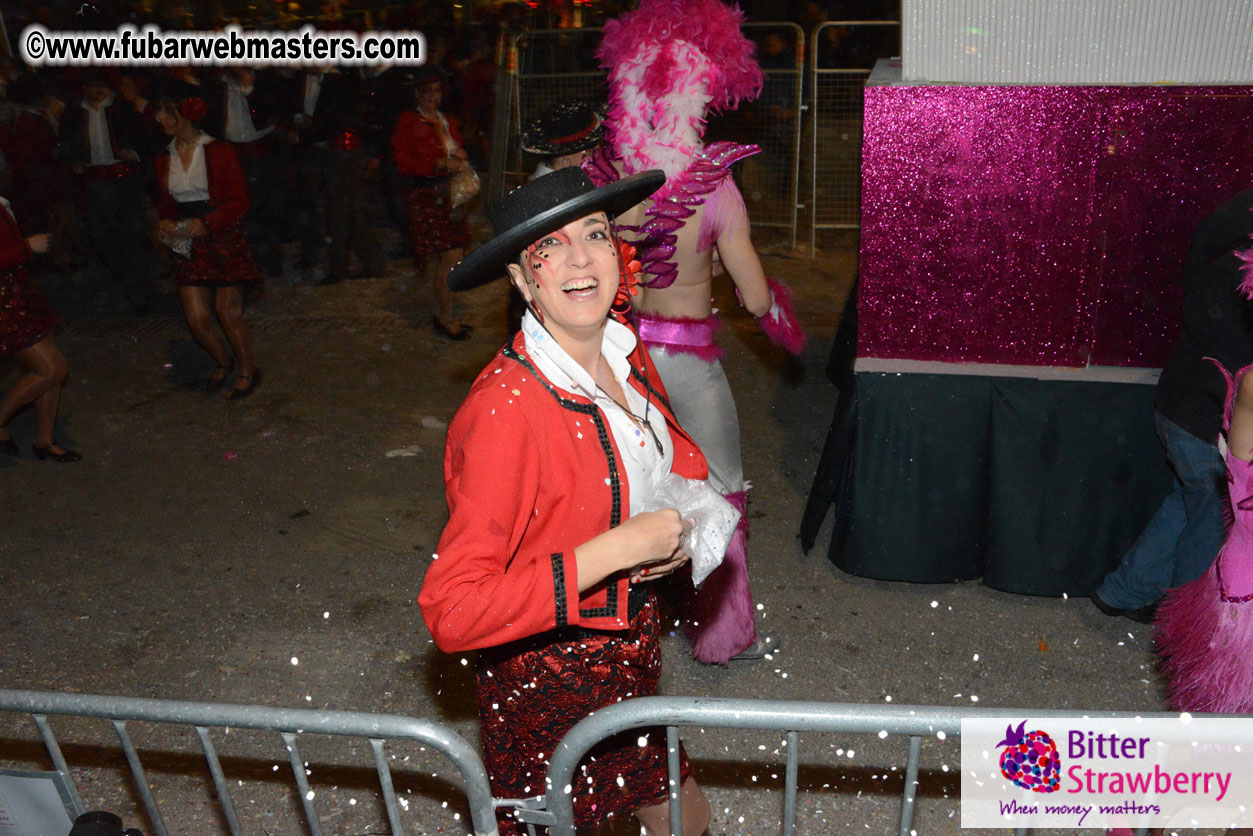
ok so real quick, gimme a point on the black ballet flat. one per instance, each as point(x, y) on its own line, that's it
point(43, 453)
point(8, 446)
point(215, 384)
point(254, 380)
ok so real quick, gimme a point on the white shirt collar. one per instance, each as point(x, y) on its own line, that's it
point(561, 369)
point(204, 139)
point(108, 100)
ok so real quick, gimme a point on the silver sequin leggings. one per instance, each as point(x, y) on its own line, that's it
point(701, 399)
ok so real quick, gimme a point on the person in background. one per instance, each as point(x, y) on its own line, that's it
point(26, 323)
point(1204, 629)
point(42, 182)
point(245, 111)
point(1183, 536)
point(564, 135)
point(104, 137)
point(203, 198)
point(426, 148)
point(689, 56)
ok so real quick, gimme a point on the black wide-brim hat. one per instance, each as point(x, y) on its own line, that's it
point(541, 206)
point(568, 128)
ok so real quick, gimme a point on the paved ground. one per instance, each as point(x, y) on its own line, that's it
point(270, 552)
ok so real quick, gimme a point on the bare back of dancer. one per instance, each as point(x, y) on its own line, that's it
point(691, 293)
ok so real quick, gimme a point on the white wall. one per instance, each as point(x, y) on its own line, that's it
point(1078, 41)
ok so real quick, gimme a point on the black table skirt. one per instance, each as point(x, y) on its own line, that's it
point(1038, 487)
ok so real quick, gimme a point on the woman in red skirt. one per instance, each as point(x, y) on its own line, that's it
point(550, 462)
point(202, 198)
point(26, 323)
point(426, 149)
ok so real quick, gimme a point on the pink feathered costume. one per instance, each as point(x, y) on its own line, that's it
point(1204, 629)
point(670, 62)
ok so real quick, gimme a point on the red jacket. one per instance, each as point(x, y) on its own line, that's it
point(228, 190)
point(530, 474)
point(416, 145)
point(13, 247)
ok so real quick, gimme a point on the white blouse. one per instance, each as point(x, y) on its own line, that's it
point(644, 465)
point(191, 183)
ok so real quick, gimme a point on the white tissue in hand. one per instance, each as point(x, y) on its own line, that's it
point(178, 238)
point(714, 520)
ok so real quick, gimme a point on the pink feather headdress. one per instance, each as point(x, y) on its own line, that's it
point(670, 62)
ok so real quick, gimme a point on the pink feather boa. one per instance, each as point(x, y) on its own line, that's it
point(780, 324)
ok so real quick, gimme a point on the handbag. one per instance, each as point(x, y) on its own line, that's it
point(463, 186)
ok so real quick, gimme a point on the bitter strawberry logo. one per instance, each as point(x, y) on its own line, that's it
point(1030, 759)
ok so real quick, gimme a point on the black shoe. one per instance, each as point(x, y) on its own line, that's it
point(462, 332)
point(215, 384)
point(254, 380)
point(42, 453)
point(1144, 615)
point(8, 446)
point(760, 649)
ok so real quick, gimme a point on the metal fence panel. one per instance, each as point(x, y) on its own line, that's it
point(914, 722)
point(773, 121)
point(290, 724)
point(842, 56)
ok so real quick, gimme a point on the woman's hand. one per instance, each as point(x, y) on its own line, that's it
point(197, 229)
point(661, 568)
point(39, 243)
point(651, 537)
point(648, 545)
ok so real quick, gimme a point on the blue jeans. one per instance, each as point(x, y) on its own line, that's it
point(1183, 537)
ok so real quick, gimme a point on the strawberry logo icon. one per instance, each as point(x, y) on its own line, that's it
point(1030, 759)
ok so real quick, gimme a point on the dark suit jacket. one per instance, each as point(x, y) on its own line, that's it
point(270, 93)
point(1217, 322)
point(339, 107)
point(126, 131)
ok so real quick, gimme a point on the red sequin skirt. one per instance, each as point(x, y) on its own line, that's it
point(219, 259)
point(435, 226)
point(532, 692)
point(26, 316)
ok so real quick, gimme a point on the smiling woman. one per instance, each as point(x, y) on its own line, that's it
point(546, 578)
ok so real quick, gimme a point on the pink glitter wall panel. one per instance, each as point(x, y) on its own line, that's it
point(1037, 225)
point(1178, 154)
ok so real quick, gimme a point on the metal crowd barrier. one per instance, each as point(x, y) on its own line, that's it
point(291, 724)
point(554, 810)
point(912, 721)
point(842, 54)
